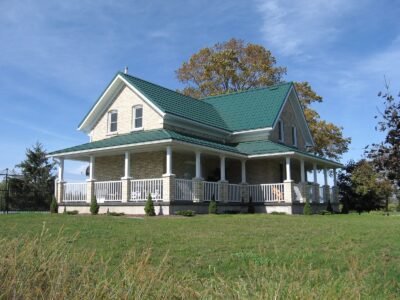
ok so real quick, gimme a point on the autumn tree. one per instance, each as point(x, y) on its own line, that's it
point(234, 66)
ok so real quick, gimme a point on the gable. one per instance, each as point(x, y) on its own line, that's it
point(292, 115)
point(123, 103)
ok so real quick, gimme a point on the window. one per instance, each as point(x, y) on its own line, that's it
point(112, 121)
point(294, 136)
point(281, 132)
point(137, 114)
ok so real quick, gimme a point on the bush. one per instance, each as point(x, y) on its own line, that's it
point(114, 214)
point(329, 207)
point(149, 208)
point(65, 210)
point(325, 212)
point(250, 207)
point(94, 206)
point(212, 207)
point(186, 213)
point(54, 205)
point(72, 212)
point(307, 208)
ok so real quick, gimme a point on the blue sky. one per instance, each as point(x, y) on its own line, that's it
point(56, 57)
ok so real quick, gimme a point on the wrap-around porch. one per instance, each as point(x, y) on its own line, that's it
point(176, 174)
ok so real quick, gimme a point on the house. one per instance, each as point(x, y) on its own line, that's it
point(234, 148)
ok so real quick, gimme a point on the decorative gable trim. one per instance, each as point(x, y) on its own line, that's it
point(107, 98)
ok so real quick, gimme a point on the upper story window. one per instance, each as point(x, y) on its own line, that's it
point(137, 113)
point(281, 132)
point(112, 121)
point(294, 136)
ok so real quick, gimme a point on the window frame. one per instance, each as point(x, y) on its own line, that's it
point(134, 109)
point(109, 122)
point(294, 136)
point(281, 131)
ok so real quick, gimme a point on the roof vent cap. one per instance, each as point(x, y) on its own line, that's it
point(126, 70)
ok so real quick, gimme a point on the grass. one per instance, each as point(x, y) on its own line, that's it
point(213, 256)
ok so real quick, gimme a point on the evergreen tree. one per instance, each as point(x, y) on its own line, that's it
point(250, 207)
point(307, 210)
point(149, 208)
point(54, 206)
point(212, 207)
point(94, 206)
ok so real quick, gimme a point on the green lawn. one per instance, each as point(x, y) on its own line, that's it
point(234, 256)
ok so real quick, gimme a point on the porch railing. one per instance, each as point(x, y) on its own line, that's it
point(267, 192)
point(297, 193)
point(310, 193)
point(108, 190)
point(211, 189)
point(141, 188)
point(234, 192)
point(184, 189)
point(74, 192)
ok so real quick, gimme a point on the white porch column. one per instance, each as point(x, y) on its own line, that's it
point(169, 161)
point(198, 165)
point(243, 171)
point(302, 171)
point(91, 167)
point(325, 176)
point(316, 187)
point(288, 175)
point(127, 166)
point(222, 168)
point(334, 178)
point(335, 189)
point(61, 170)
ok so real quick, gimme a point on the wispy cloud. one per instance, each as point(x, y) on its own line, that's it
point(293, 27)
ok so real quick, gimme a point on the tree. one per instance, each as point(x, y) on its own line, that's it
point(307, 210)
point(35, 188)
point(94, 206)
point(362, 188)
point(386, 155)
point(233, 66)
point(212, 207)
point(149, 207)
point(54, 206)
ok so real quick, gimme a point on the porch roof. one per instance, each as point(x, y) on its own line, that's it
point(250, 149)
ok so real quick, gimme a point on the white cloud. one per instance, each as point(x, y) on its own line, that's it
point(293, 27)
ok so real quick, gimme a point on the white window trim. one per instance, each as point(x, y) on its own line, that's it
point(134, 117)
point(282, 130)
point(294, 136)
point(109, 121)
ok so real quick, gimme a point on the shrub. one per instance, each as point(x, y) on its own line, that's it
point(65, 210)
point(212, 207)
point(250, 208)
point(329, 207)
point(307, 208)
point(72, 212)
point(149, 208)
point(114, 214)
point(54, 205)
point(94, 206)
point(325, 212)
point(186, 213)
point(398, 206)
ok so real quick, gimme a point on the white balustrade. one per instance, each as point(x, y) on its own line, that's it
point(310, 193)
point(234, 193)
point(141, 188)
point(108, 191)
point(267, 192)
point(74, 192)
point(211, 190)
point(321, 194)
point(183, 189)
point(298, 193)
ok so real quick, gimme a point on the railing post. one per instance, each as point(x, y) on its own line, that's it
point(60, 191)
point(288, 191)
point(168, 188)
point(198, 191)
point(223, 191)
point(244, 192)
point(126, 189)
point(89, 190)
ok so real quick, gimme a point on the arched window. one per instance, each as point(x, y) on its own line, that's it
point(294, 136)
point(281, 131)
point(112, 121)
point(137, 117)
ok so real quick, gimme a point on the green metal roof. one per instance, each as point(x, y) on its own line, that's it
point(251, 109)
point(244, 148)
